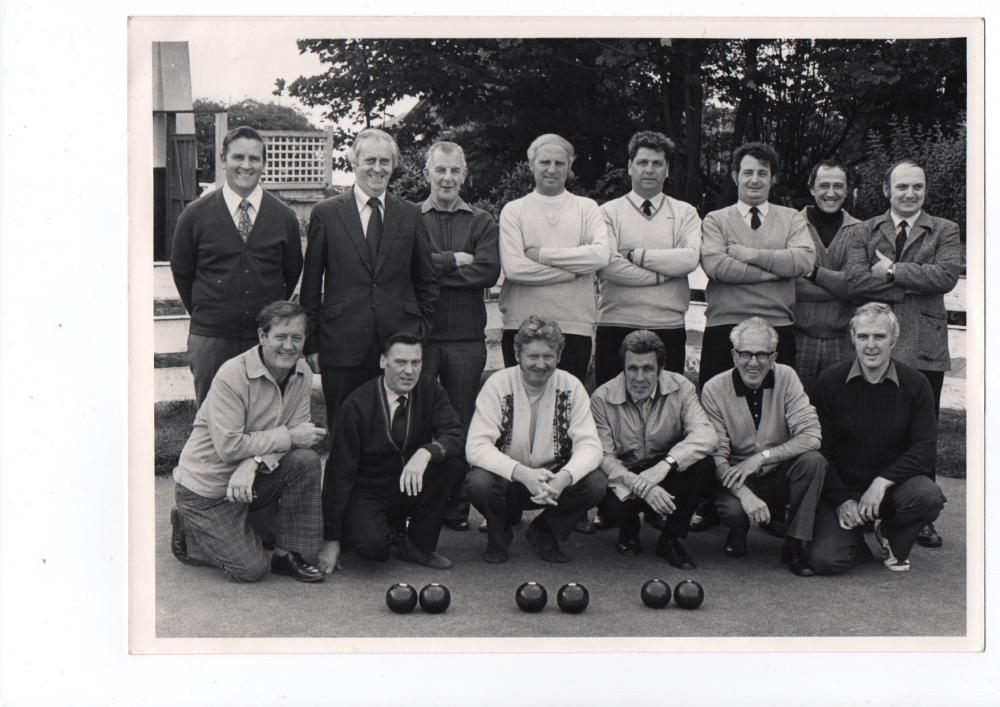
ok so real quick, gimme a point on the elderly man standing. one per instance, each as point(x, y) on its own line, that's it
point(551, 244)
point(463, 241)
point(235, 250)
point(655, 241)
point(768, 437)
point(532, 444)
point(657, 444)
point(880, 435)
point(910, 260)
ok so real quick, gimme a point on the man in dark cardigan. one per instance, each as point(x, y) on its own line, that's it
point(880, 436)
point(235, 250)
point(396, 453)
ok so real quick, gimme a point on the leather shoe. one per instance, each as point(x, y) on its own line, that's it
point(628, 546)
point(178, 542)
point(599, 523)
point(408, 552)
point(292, 565)
point(585, 526)
point(546, 544)
point(736, 543)
point(670, 549)
point(792, 555)
point(929, 536)
point(458, 525)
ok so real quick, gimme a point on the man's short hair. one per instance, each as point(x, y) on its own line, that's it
point(642, 342)
point(446, 147)
point(536, 328)
point(404, 338)
point(751, 325)
point(759, 151)
point(550, 139)
point(373, 134)
point(900, 163)
point(830, 163)
point(243, 131)
point(652, 140)
point(872, 311)
point(278, 312)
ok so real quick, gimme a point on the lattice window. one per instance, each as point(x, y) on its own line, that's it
point(295, 158)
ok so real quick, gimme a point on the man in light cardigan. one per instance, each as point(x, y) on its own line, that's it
point(533, 444)
point(769, 434)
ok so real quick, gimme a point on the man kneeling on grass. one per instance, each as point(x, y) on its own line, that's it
point(251, 446)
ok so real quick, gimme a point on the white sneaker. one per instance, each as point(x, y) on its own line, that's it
point(889, 560)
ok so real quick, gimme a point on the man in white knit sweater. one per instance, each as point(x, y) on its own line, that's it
point(551, 244)
point(655, 242)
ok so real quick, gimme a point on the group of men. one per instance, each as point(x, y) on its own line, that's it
point(816, 418)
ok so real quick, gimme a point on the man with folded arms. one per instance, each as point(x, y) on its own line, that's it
point(657, 444)
point(769, 435)
point(880, 435)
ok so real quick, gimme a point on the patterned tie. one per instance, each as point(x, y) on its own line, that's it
point(754, 218)
point(647, 207)
point(244, 225)
point(398, 426)
point(374, 234)
point(900, 240)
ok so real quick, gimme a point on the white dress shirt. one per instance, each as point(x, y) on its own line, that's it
point(364, 210)
point(744, 210)
point(233, 201)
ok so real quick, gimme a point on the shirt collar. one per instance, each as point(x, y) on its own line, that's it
point(889, 374)
point(636, 199)
point(911, 221)
point(254, 360)
point(429, 205)
point(233, 199)
point(744, 209)
point(391, 396)
point(361, 199)
point(617, 392)
point(743, 390)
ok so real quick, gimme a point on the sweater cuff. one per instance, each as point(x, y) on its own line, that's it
point(436, 450)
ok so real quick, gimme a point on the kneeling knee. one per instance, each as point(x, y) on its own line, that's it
point(253, 572)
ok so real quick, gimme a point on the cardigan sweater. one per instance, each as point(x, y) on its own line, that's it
point(224, 282)
point(823, 309)
point(788, 424)
point(874, 429)
point(752, 273)
point(363, 453)
point(565, 435)
point(572, 237)
point(460, 312)
point(650, 289)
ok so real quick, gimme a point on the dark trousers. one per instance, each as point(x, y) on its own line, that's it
point(687, 487)
point(374, 512)
point(715, 348)
point(458, 365)
point(905, 509)
point(575, 356)
point(218, 532)
point(791, 489)
point(609, 339)
point(205, 354)
point(501, 503)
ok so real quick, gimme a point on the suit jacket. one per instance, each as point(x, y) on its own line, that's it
point(351, 301)
point(928, 267)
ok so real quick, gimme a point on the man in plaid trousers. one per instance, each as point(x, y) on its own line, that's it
point(251, 446)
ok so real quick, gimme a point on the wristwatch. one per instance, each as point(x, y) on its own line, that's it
point(766, 453)
point(674, 466)
point(890, 272)
point(261, 466)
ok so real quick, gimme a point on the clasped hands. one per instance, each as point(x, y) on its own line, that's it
point(544, 486)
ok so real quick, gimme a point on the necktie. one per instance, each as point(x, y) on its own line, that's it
point(398, 427)
point(754, 218)
point(244, 225)
point(374, 233)
point(647, 207)
point(900, 240)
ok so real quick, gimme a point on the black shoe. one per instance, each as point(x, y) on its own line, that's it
point(482, 527)
point(929, 536)
point(584, 526)
point(793, 556)
point(458, 525)
point(736, 543)
point(292, 565)
point(178, 543)
point(408, 552)
point(599, 523)
point(655, 520)
point(628, 546)
point(546, 544)
point(670, 549)
point(496, 548)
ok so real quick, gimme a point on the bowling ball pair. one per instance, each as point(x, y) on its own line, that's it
point(402, 598)
point(572, 598)
point(688, 594)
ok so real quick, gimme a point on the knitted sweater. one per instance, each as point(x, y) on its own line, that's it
point(650, 289)
point(572, 237)
point(874, 429)
point(823, 309)
point(752, 273)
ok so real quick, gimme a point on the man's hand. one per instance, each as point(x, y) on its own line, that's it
point(411, 481)
point(463, 258)
point(305, 435)
point(560, 482)
point(738, 251)
point(755, 509)
point(329, 557)
point(532, 253)
point(735, 476)
point(537, 483)
point(848, 516)
point(881, 265)
point(240, 488)
point(660, 501)
point(871, 499)
point(656, 473)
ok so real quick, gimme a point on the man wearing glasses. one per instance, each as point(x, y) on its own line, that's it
point(767, 460)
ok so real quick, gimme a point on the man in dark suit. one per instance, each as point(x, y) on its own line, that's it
point(235, 250)
point(396, 454)
point(368, 273)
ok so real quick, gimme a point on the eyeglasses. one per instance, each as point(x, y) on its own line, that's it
point(761, 356)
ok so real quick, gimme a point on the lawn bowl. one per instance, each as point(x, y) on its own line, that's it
point(573, 598)
point(401, 598)
point(531, 597)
